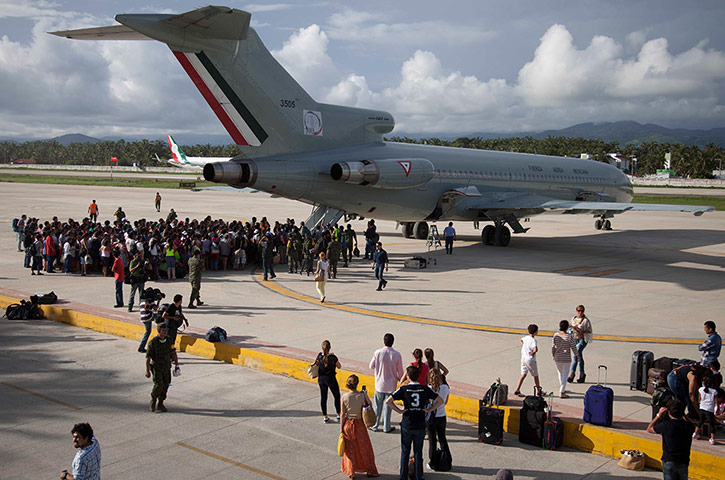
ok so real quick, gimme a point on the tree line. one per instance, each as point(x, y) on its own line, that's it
point(687, 160)
point(142, 152)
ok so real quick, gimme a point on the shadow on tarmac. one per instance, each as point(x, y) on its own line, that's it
point(606, 250)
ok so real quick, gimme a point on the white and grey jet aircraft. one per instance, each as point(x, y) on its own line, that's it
point(334, 157)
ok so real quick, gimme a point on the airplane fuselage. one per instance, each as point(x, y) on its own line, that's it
point(306, 177)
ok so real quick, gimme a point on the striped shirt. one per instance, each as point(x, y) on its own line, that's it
point(561, 348)
point(146, 315)
point(87, 462)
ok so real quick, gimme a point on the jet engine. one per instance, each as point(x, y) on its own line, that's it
point(396, 173)
point(231, 172)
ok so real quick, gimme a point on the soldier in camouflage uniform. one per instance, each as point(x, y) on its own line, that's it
point(195, 268)
point(293, 248)
point(159, 355)
point(333, 255)
point(348, 238)
point(308, 255)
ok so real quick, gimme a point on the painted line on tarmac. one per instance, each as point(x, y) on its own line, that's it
point(230, 461)
point(40, 395)
point(282, 290)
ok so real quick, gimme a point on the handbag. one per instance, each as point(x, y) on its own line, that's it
point(341, 445)
point(632, 460)
point(368, 414)
point(313, 370)
point(320, 276)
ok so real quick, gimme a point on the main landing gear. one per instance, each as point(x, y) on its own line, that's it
point(418, 230)
point(602, 224)
point(498, 235)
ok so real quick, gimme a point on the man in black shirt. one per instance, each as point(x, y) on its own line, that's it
point(415, 397)
point(676, 439)
point(174, 317)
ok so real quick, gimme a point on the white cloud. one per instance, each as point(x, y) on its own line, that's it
point(31, 9)
point(364, 28)
point(560, 74)
point(560, 86)
point(304, 56)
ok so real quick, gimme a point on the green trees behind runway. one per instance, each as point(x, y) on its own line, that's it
point(142, 152)
point(687, 160)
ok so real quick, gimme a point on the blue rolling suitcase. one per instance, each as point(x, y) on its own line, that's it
point(599, 402)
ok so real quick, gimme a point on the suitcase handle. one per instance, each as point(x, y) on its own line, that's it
point(599, 369)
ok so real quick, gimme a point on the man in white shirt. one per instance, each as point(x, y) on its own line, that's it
point(529, 348)
point(388, 366)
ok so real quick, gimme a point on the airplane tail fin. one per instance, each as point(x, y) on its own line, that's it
point(258, 102)
point(177, 154)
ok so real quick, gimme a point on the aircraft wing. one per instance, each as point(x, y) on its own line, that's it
point(512, 202)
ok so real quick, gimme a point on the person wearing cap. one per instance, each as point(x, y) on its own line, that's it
point(195, 269)
point(159, 355)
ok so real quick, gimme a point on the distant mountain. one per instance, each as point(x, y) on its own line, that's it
point(75, 138)
point(624, 133)
point(628, 132)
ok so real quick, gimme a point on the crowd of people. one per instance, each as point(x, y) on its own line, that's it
point(171, 248)
point(134, 252)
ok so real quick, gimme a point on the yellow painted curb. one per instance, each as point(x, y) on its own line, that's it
point(282, 290)
point(584, 437)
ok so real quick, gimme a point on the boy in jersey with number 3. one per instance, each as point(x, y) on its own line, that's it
point(416, 404)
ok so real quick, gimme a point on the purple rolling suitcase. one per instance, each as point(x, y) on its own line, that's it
point(553, 429)
point(599, 402)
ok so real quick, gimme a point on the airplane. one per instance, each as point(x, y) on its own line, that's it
point(334, 157)
point(179, 159)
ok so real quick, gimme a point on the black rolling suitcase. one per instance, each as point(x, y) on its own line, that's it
point(641, 363)
point(532, 418)
point(490, 423)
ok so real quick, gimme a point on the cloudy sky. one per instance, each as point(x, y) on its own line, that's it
point(439, 67)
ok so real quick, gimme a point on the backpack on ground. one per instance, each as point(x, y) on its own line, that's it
point(47, 299)
point(441, 461)
point(23, 311)
point(497, 394)
point(216, 334)
point(490, 421)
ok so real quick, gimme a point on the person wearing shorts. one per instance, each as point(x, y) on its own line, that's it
point(529, 348)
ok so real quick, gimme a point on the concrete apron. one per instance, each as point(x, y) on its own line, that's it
point(293, 363)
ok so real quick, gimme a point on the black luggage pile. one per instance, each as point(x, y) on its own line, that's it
point(25, 310)
point(490, 419)
point(650, 375)
point(532, 417)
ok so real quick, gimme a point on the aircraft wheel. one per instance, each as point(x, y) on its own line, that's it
point(598, 224)
point(607, 225)
point(503, 236)
point(488, 235)
point(407, 229)
point(420, 230)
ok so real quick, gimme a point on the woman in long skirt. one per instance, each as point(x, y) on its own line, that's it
point(359, 456)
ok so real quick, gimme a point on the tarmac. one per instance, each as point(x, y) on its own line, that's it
point(648, 284)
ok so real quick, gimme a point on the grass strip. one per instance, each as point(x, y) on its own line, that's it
point(717, 202)
point(93, 181)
